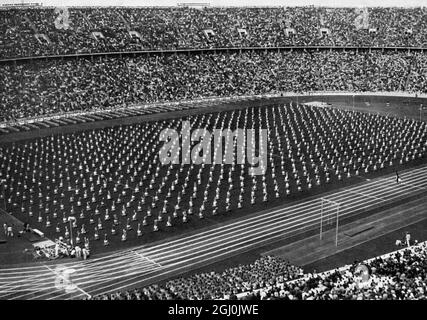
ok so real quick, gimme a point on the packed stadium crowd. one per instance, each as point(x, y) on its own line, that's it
point(71, 30)
point(263, 272)
point(399, 276)
point(55, 86)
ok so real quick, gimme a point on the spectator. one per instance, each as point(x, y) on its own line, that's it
point(264, 271)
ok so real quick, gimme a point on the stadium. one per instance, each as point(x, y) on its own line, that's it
point(198, 152)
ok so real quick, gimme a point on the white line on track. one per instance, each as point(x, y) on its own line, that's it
point(413, 186)
point(148, 259)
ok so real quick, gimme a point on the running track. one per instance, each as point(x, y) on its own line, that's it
point(143, 264)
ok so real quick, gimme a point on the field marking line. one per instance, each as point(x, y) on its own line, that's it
point(96, 282)
point(413, 186)
point(366, 195)
point(148, 259)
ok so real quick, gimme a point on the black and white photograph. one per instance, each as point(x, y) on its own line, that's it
point(212, 156)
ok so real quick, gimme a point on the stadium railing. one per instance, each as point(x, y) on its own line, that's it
point(214, 50)
point(213, 99)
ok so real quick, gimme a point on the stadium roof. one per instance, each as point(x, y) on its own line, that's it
point(250, 3)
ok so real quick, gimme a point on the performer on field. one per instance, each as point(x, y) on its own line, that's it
point(398, 180)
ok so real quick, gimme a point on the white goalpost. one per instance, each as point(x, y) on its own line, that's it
point(329, 214)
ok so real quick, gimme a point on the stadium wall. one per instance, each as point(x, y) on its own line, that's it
point(197, 102)
point(209, 50)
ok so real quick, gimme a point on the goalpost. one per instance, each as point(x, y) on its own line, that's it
point(329, 213)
